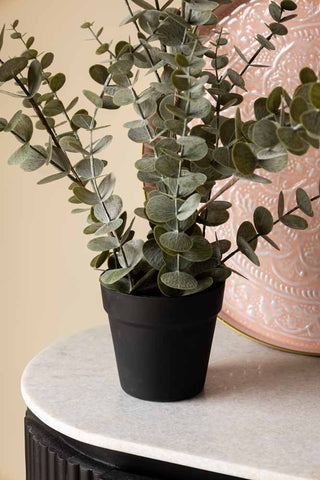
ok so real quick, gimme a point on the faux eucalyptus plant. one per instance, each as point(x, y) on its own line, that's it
point(194, 150)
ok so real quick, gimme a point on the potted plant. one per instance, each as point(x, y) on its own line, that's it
point(163, 294)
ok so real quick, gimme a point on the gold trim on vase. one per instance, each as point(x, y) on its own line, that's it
point(266, 344)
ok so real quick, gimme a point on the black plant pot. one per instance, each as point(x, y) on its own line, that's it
point(162, 345)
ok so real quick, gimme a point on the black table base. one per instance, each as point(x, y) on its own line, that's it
point(53, 456)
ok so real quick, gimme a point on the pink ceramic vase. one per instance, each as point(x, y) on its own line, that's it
point(280, 304)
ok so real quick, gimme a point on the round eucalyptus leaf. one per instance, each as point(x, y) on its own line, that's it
point(260, 108)
point(263, 220)
point(83, 168)
point(106, 186)
point(102, 49)
point(297, 108)
point(53, 108)
point(203, 284)
point(315, 95)
point(47, 60)
point(275, 11)
point(190, 182)
point(57, 81)
point(201, 250)
point(109, 227)
point(114, 275)
point(213, 217)
point(278, 28)
point(304, 202)
point(180, 80)
point(34, 77)
point(52, 178)
point(147, 108)
point(248, 233)
point(167, 166)
point(291, 139)
point(294, 221)
point(311, 122)
point(109, 210)
point(227, 131)
point(20, 155)
point(247, 250)
point(189, 207)
point(99, 73)
point(193, 148)
point(274, 163)
point(176, 241)
point(34, 160)
point(243, 158)
point(131, 253)
point(93, 98)
point(307, 75)
point(22, 127)
point(288, 5)
point(85, 195)
point(160, 209)
point(264, 134)
point(82, 120)
point(179, 280)
point(12, 67)
point(236, 78)
point(123, 96)
point(139, 135)
point(153, 254)
point(101, 144)
point(220, 61)
point(274, 100)
point(99, 260)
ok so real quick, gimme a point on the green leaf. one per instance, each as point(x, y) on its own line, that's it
point(20, 155)
point(103, 143)
point(243, 158)
point(160, 209)
point(153, 254)
point(180, 80)
point(99, 260)
point(2, 36)
point(271, 242)
point(280, 204)
point(102, 244)
point(201, 250)
point(248, 233)
point(30, 42)
point(307, 75)
point(52, 178)
point(193, 148)
point(304, 202)
point(12, 67)
point(294, 221)
point(47, 60)
point(203, 284)
point(34, 78)
point(264, 134)
point(3, 124)
point(297, 108)
point(288, 5)
point(21, 125)
point(311, 122)
point(123, 96)
point(179, 280)
point(190, 182)
point(236, 78)
point(278, 28)
point(260, 108)
point(86, 196)
point(213, 217)
point(106, 186)
point(93, 98)
point(84, 121)
point(113, 207)
point(34, 160)
point(53, 108)
point(189, 207)
point(273, 161)
point(263, 220)
point(227, 132)
point(176, 241)
point(274, 100)
point(291, 139)
point(139, 135)
point(83, 168)
point(315, 95)
point(57, 81)
point(131, 253)
point(275, 11)
point(110, 227)
point(143, 4)
point(99, 73)
point(246, 249)
point(102, 49)
point(114, 275)
point(220, 61)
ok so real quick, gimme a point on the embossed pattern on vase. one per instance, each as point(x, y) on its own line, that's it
point(280, 304)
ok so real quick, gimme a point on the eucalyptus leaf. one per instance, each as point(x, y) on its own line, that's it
point(243, 158)
point(93, 98)
point(201, 250)
point(247, 250)
point(99, 73)
point(153, 254)
point(248, 233)
point(86, 196)
point(34, 78)
point(189, 207)
point(176, 241)
point(179, 280)
point(52, 178)
point(294, 221)
point(114, 275)
point(102, 244)
point(160, 209)
point(47, 60)
point(12, 67)
point(264, 134)
point(304, 202)
point(263, 220)
point(57, 81)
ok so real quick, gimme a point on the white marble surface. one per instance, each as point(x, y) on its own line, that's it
point(259, 417)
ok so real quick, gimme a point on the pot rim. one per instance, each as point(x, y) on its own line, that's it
point(214, 286)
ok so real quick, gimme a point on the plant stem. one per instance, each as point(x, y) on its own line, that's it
point(274, 223)
point(145, 48)
point(225, 187)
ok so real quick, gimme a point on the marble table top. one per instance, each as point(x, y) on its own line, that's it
point(258, 418)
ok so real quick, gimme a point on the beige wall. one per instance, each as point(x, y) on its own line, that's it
point(48, 289)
